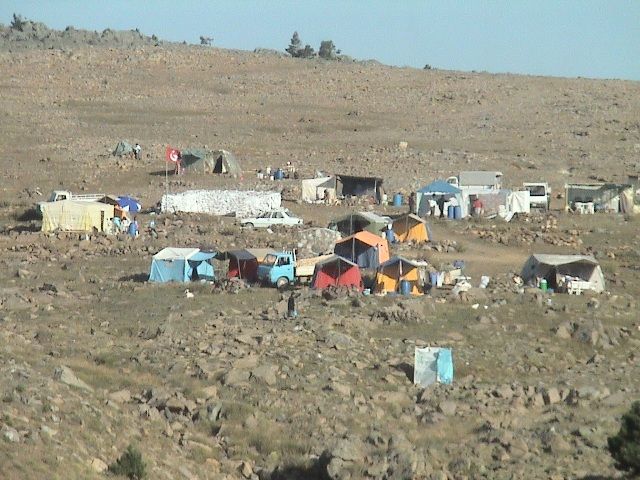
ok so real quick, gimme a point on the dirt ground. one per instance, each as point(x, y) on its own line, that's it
point(221, 385)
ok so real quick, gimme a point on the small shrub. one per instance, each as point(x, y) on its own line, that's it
point(625, 446)
point(17, 23)
point(206, 40)
point(327, 50)
point(130, 465)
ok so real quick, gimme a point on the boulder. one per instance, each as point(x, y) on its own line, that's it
point(65, 375)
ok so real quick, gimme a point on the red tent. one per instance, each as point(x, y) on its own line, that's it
point(337, 271)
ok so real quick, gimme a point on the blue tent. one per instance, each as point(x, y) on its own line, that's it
point(129, 204)
point(181, 265)
point(440, 187)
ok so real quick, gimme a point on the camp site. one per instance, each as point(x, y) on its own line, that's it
point(250, 265)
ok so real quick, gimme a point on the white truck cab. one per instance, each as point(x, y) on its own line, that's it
point(539, 195)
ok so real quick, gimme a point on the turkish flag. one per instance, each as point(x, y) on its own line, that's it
point(172, 155)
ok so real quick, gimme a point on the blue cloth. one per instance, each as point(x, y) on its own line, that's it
point(129, 204)
point(444, 366)
point(133, 229)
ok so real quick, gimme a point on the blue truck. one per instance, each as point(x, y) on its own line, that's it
point(283, 268)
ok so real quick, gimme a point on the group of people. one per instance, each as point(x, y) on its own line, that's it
point(124, 225)
point(438, 202)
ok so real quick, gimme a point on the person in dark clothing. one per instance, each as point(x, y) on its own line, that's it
point(291, 307)
point(412, 202)
point(441, 205)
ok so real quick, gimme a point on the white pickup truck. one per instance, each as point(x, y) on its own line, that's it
point(539, 195)
point(58, 195)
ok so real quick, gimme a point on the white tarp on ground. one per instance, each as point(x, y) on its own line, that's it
point(241, 203)
point(431, 365)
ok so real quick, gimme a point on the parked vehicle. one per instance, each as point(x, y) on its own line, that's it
point(478, 179)
point(283, 268)
point(266, 220)
point(58, 195)
point(539, 195)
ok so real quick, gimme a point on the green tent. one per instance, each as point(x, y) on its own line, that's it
point(206, 161)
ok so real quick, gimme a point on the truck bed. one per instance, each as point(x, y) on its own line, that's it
point(306, 266)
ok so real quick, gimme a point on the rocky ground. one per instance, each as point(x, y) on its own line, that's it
point(221, 385)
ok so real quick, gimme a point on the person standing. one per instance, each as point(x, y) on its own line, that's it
point(478, 206)
point(291, 307)
point(432, 205)
point(441, 202)
point(134, 228)
point(137, 151)
point(412, 202)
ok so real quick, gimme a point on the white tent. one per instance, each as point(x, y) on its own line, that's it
point(313, 188)
point(558, 270)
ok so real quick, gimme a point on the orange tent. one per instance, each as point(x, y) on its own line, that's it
point(365, 249)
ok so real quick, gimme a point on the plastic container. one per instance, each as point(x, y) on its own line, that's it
point(405, 287)
point(457, 212)
point(279, 174)
point(391, 236)
point(397, 200)
point(450, 212)
point(543, 285)
point(433, 278)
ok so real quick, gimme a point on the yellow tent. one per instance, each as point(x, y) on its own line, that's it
point(410, 228)
point(76, 216)
point(392, 272)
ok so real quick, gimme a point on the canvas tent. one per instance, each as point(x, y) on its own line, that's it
point(437, 189)
point(206, 161)
point(122, 148)
point(314, 189)
point(244, 263)
point(431, 365)
point(181, 265)
point(351, 185)
point(74, 216)
point(410, 228)
point(392, 272)
point(365, 249)
point(336, 271)
point(359, 221)
point(559, 270)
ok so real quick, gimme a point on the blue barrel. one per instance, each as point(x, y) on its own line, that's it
point(433, 278)
point(397, 200)
point(450, 210)
point(457, 212)
point(279, 174)
point(391, 236)
point(405, 287)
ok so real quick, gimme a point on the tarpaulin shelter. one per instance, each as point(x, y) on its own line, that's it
point(181, 265)
point(359, 221)
point(314, 189)
point(410, 228)
point(431, 365)
point(436, 189)
point(397, 269)
point(122, 148)
point(557, 270)
point(365, 249)
point(351, 185)
point(207, 161)
point(602, 197)
point(244, 263)
point(336, 271)
point(75, 216)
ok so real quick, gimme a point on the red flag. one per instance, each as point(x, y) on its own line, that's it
point(172, 155)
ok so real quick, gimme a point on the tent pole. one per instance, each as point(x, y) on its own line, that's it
point(166, 177)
